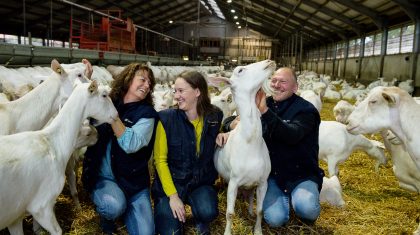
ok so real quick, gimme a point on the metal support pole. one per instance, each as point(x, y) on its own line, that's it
point(416, 50)
point(361, 55)
point(383, 51)
point(346, 56)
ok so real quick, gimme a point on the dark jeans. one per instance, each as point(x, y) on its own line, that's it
point(203, 202)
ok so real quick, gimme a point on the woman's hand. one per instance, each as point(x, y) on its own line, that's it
point(177, 207)
point(222, 138)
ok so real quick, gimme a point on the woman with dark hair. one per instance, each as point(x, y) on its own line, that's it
point(115, 169)
point(183, 154)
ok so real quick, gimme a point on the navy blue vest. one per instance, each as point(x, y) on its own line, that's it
point(188, 169)
point(294, 163)
point(130, 170)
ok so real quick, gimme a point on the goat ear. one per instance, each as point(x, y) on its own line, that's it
point(93, 88)
point(219, 82)
point(390, 98)
point(56, 67)
point(229, 99)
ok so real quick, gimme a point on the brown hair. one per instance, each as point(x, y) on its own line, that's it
point(122, 82)
point(197, 81)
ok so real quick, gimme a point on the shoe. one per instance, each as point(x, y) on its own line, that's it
point(203, 228)
point(108, 226)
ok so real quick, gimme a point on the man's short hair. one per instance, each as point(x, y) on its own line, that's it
point(292, 71)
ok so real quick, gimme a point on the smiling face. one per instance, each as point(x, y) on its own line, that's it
point(185, 95)
point(139, 87)
point(284, 84)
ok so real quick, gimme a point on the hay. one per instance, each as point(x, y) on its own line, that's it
point(374, 205)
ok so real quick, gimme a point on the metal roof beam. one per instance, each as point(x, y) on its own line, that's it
point(130, 11)
point(272, 14)
point(411, 9)
point(290, 28)
point(175, 12)
point(355, 27)
point(338, 30)
point(380, 21)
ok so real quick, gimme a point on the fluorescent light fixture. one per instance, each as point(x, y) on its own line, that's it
point(237, 23)
point(235, 17)
point(239, 27)
point(234, 60)
point(233, 11)
point(185, 58)
point(229, 1)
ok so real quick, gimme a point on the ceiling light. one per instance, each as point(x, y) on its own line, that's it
point(239, 27)
point(235, 17)
point(233, 11)
point(237, 23)
point(229, 1)
point(170, 22)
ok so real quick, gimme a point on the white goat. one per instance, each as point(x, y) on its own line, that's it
point(87, 137)
point(342, 111)
point(34, 110)
point(407, 85)
point(32, 164)
point(389, 108)
point(331, 192)
point(244, 160)
point(225, 102)
point(336, 145)
point(313, 98)
point(402, 165)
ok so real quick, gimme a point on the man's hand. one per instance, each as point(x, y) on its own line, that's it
point(260, 101)
point(222, 138)
point(177, 207)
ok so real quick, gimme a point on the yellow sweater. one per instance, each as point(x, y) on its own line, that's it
point(160, 152)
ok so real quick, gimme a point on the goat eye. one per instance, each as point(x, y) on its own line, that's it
point(372, 101)
point(240, 70)
point(104, 96)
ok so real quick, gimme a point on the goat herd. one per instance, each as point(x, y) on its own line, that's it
point(38, 132)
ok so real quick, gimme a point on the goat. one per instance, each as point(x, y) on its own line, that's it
point(336, 145)
point(34, 110)
point(32, 163)
point(389, 108)
point(244, 160)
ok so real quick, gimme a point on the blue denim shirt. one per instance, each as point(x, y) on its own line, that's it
point(130, 141)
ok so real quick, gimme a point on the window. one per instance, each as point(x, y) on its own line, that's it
point(407, 39)
point(322, 53)
point(354, 48)
point(330, 52)
point(369, 45)
point(340, 50)
point(377, 44)
point(394, 38)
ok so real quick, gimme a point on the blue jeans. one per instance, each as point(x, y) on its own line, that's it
point(203, 202)
point(304, 200)
point(111, 203)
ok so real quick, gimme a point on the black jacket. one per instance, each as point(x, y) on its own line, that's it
point(130, 170)
point(290, 130)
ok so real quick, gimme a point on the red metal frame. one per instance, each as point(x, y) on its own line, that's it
point(108, 35)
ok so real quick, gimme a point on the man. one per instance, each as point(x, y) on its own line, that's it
point(290, 130)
